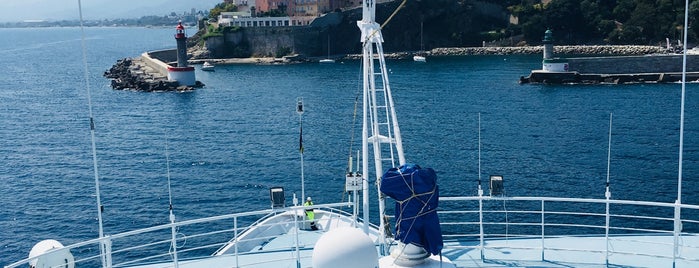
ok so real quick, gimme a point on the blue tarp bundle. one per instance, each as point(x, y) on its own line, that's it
point(417, 196)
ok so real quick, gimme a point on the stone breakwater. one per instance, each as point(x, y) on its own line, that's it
point(135, 74)
point(529, 50)
point(559, 50)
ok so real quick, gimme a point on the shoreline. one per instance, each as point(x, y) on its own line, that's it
point(593, 50)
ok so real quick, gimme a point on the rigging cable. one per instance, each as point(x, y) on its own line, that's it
point(353, 130)
point(86, 73)
point(402, 4)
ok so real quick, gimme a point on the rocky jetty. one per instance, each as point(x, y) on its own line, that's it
point(134, 74)
point(597, 50)
point(560, 50)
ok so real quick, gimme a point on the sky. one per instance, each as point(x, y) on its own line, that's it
point(20, 10)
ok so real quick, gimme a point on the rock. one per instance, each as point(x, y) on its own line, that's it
point(133, 74)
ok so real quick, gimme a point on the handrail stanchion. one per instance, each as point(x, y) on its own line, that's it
point(480, 220)
point(480, 190)
point(296, 231)
point(235, 235)
point(677, 228)
point(108, 251)
point(606, 228)
point(542, 230)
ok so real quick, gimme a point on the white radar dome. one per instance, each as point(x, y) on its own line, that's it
point(51, 254)
point(345, 247)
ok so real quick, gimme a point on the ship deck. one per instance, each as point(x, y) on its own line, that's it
point(577, 251)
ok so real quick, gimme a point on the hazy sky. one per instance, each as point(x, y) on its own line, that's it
point(19, 10)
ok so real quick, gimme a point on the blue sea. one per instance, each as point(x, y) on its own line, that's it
point(228, 142)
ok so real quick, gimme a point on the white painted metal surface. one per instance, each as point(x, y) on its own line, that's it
point(547, 232)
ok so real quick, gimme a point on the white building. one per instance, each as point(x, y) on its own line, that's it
point(245, 19)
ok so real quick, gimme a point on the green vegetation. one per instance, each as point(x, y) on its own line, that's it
point(647, 22)
point(222, 7)
point(212, 31)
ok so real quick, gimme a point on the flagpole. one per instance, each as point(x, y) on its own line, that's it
point(299, 110)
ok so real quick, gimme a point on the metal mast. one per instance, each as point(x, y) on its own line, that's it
point(380, 125)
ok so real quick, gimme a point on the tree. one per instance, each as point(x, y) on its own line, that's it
point(222, 7)
point(564, 17)
point(693, 22)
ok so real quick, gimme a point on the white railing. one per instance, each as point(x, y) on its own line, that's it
point(543, 218)
point(540, 218)
point(196, 239)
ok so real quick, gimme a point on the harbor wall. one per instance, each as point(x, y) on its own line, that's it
point(633, 64)
point(157, 60)
point(558, 50)
point(165, 55)
point(267, 42)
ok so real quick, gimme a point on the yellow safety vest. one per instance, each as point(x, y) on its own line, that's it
point(309, 212)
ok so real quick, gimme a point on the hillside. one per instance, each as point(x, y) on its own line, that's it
point(447, 23)
point(470, 23)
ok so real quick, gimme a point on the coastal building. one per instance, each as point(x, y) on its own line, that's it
point(284, 6)
point(251, 13)
point(312, 7)
point(245, 19)
point(244, 5)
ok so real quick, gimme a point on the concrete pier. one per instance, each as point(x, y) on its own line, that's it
point(538, 76)
point(664, 68)
point(149, 72)
point(141, 74)
point(649, 68)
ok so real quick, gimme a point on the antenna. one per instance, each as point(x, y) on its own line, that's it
point(86, 72)
point(299, 110)
point(677, 228)
point(173, 231)
point(480, 191)
point(607, 193)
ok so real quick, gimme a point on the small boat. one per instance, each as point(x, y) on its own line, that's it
point(207, 67)
point(420, 56)
point(693, 51)
point(328, 59)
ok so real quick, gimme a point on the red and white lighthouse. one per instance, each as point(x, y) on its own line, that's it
point(181, 73)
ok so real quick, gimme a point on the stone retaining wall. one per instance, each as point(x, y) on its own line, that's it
point(165, 55)
point(633, 64)
point(558, 50)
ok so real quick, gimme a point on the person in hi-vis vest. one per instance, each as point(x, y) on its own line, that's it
point(309, 214)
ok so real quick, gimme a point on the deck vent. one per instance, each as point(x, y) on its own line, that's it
point(497, 188)
point(276, 194)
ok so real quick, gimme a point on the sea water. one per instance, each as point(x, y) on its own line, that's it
point(227, 143)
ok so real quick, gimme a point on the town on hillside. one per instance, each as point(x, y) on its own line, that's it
point(266, 13)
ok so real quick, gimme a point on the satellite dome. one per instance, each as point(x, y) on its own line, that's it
point(345, 247)
point(52, 254)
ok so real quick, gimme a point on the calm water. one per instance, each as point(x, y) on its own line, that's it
point(232, 140)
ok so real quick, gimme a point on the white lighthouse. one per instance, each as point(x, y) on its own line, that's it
point(181, 73)
point(549, 63)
